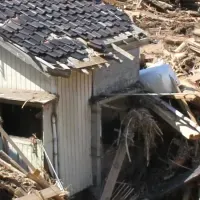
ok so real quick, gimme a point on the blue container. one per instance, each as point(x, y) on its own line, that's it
point(98, 1)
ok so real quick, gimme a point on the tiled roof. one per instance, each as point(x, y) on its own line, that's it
point(49, 28)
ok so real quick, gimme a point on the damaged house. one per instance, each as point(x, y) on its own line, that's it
point(54, 56)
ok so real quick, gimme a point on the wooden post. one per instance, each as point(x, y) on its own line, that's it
point(96, 144)
point(187, 193)
point(183, 102)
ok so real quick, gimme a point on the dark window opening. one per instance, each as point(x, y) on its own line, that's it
point(21, 122)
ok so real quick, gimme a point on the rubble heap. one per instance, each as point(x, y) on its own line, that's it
point(19, 183)
point(16, 183)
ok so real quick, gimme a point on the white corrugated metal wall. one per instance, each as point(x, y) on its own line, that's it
point(73, 111)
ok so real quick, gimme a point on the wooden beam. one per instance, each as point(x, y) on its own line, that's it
point(176, 119)
point(43, 194)
point(113, 97)
point(123, 52)
point(11, 168)
point(9, 160)
point(87, 64)
point(26, 161)
point(38, 179)
point(113, 107)
point(114, 172)
point(183, 102)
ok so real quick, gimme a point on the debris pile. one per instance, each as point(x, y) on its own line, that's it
point(158, 150)
point(19, 184)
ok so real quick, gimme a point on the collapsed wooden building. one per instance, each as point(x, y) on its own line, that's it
point(54, 56)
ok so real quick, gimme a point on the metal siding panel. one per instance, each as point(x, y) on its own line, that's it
point(18, 75)
point(70, 104)
point(47, 131)
point(82, 93)
point(77, 140)
point(61, 131)
point(74, 131)
point(15, 73)
point(79, 126)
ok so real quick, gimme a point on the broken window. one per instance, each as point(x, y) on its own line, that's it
point(21, 122)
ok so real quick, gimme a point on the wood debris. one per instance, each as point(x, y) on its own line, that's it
point(170, 24)
point(16, 182)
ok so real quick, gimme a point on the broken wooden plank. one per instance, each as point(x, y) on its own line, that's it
point(38, 179)
point(183, 102)
point(123, 52)
point(114, 172)
point(93, 61)
point(188, 96)
point(160, 5)
point(11, 168)
point(113, 107)
point(180, 48)
point(177, 120)
point(47, 193)
point(175, 40)
point(26, 161)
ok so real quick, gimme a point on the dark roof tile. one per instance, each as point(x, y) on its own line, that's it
point(48, 9)
point(31, 5)
point(56, 14)
point(9, 29)
point(40, 11)
point(22, 36)
point(37, 38)
point(48, 45)
point(40, 18)
point(49, 59)
point(39, 4)
point(55, 7)
point(2, 16)
point(10, 13)
point(17, 2)
point(53, 54)
point(13, 25)
point(24, 7)
point(26, 31)
point(32, 13)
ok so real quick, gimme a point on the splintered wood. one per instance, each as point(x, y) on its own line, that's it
point(23, 185)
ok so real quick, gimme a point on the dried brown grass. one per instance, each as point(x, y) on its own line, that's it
point(141, 122)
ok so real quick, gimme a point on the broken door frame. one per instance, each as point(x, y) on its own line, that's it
point(97, 134)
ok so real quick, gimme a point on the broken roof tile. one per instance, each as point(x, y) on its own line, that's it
point(49, 28)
